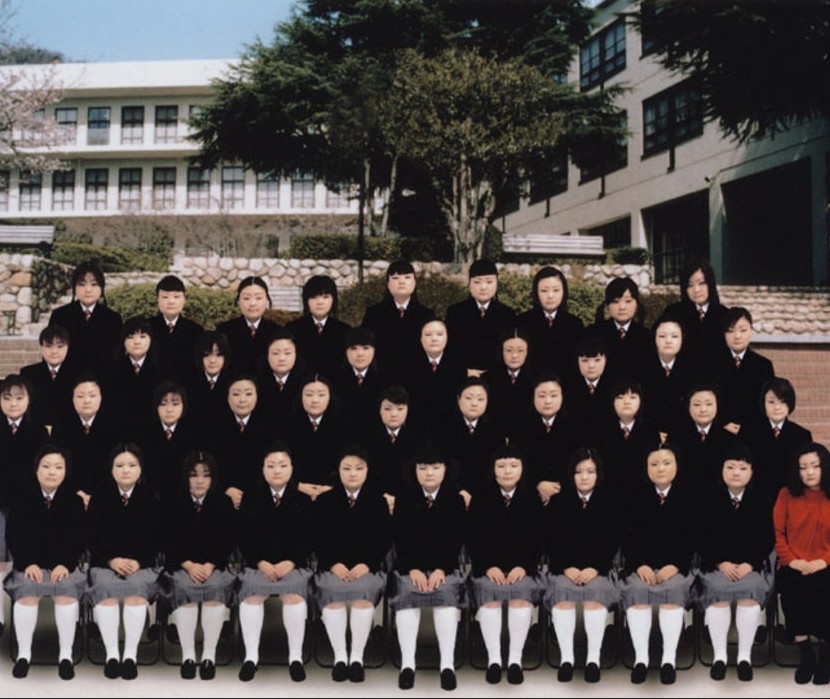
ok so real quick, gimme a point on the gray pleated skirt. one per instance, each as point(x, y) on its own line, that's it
point(18, 587)
point(252, 583)
point(4, 550)
point(530, 588)
point(604, 589)
point(178, 588)
point(401, 593)
point(714, 587)
point(328, 588)
point(106, 584)
point(676, 590)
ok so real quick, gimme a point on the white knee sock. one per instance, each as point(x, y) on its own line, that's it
point(361, 621)
point(213, 616)
point(446, 629)
point(5, 569)
point(639, 626)
point(66, 619)
point(251, 617)
point(718, 620)
point(746, 621)
point(25, 620)
point(107, 618)
point(293, 617)
point(595, 622)
point(335, 621)
point(134, 618)
point(518, 624)
point(185, 619)
point(671, 626)
point(564, 623)
point(407, 622)
point(489, 619)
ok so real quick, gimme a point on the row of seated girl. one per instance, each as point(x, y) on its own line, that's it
point(505, 532)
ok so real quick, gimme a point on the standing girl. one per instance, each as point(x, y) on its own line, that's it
point(248, 333)
point(208, 384)
point(669, 373)
point(510, 380)
point(279, 382)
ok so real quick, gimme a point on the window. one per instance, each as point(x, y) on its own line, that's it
point(4, 190)
point(198, 188)
point(267, 191)
point(302, 191)
point(98, 126)
point(129, 188)
point(615, 234)
point(603, 56)
point(30, 191)
point(63, 190)
point(95, 197)
point(233, 187)
point(164, 187)
point(338, 200)
point(32, 129)
point(614, 160)
point(552, 183)
point(67, 121)
point(671, 117)
point(167, 122)
point(132, 125)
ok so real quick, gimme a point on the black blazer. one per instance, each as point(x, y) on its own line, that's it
point(389, 462)
point(702, 460)
point(175, 350)
point(552, 347)
point(316, 455)
point(276, 403)
point(247, 352)
point(505, 537)
point(428, 538)
point(47, 537)
point(17, 456)
point(580, 537)
point(740, 388)
point(131, 395)
point(471, 452)
point(665, 396)
point(772, 454)
point(589, 411)
point(351, 535)
point(51, 401)
point(204, 536)
point(90, 470)
point(93, 344)
point(124, 531)
point(240, 454)
point(207, 406)
point(433, 396)
point(702, 340)
point(164, 457)
point(625, 459)
point(473, 338)
point(626, 358)
point(321, 352)
point(546, 453)
point(358, 403)
point(509, 401)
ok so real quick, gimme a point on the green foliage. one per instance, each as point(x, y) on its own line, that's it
point(344, 247)
point(514, 290)
point(435, 291)
point(655, 304)
point(584, 298)
point(110, 259)
point(627, 256)
point(209, 307)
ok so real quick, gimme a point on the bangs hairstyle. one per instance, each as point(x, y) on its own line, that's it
point(590, 345)
point(253, 281)
point(318, 285)
point(626, 384)
point(278, 446)
point(359, 336)
point(794, 484)
point(236, 378)
point(281, 333)
point(17, 381)
point(704, 387)
point(732, 316)
point(53, 333)
point(615, 289)
point(195, 458)
point(52, 448)
point(666, 446)
point(205, 344)
point(576, 457)
point(513, 333)
point(472, 381)
point(129, 448)
point(334, 403)
point(739, 452)
point(137, 325)
point(782, 389)
point(668, 318)
point(431, 453)
point(545, 273)
point(397, 395)
point(507, 451)
point(166, 387)
point(708, 274)
point(354, 450)
point(170, 283)
point(401, 267)
point(88, 267)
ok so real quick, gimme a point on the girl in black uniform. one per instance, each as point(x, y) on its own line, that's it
point(669, 373)
point(248, 334)
point(511, 380)
point(279, 382)
point(357, 382)
point(207, 386)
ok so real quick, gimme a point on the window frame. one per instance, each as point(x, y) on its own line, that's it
point(166, 125)
point(267, 190)
point(233, 188)
point(302, 191)
point(606, 66)
point(132, 130)
point(30, 191)
point(198, 189)
point(98, 130)
point(672, 138)
point(67, 128)
point(63, 190)
point(129, 188)
point(164, 190)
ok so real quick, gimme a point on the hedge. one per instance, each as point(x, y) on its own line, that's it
point(110, 259)
point(344, 247)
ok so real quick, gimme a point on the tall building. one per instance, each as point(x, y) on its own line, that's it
point(679, 188)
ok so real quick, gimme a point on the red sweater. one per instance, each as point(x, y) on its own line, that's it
point(802, 526)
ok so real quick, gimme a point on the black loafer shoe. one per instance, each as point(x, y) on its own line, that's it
point(493, 675)
point(592, 673)
point(154, 632)
point(718, 670)
point(356, 672)
point(188, 670)
point(566, 672)
point(172, 634)
point(112, 670)
point(745, 671)
point(340, 672)
point(247, 671)
point(21, 668)
point(129, 670)
point(638, 674)
point(515, 675)
point(667, 674)
point(66, 670)
point(448, 681)
point(406, 680)
point(207, 670)
point(296, 671)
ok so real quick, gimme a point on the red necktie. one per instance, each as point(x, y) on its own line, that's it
point(507, 500)
point(393, 437)
point(584, 503)
point(626, 433)
point(352, 500)
point(513, 378)
point(53, 374)
point(430, 501)
point(252, 330)
point(125, 499)
point(86, 428)
point(314, 425)
point(662, 499)
point(277, 499)
point(359, 378)
point(136, 368)
point(211, 384)
point(13, 428)
point(197, 506)
point(666, 370)
point(621, 333)
point(470, 429)
point(280, 383)
point(47, 501)
point(170, 328)
point(736, 503)
point(592, 389)
point(87, 314)
point(701, 314)
point(319, 328)
point(702, 435)
point(776, 432)
point(434, 367)
point(168, 433)
point(401, 311)
point(241, 424)
point(482, 311)
point(737, 362)
point(547, 426)
point(550, 321)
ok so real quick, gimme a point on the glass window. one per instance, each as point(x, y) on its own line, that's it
point(167, 122)
point(67, 121)
point(96, 182)
point(132, 125)
point(603, 56)
point(267, 191)
point(63, 190)
point(129, 188)
point(198, 188)
point(671, 117)
point(30, 191)
point(164, 187)
point(233, 187)
point(338, 200)
point(4, 190)
point(98, 126)
point(302, 191)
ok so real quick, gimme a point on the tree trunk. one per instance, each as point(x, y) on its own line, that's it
point(393, 178)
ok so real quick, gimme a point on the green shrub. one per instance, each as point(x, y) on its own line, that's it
point(514, 290)
point(110, 259)
point(209, 307)
point(655, 305)
point(627, 256)
point(493, 247)
point(344, 247)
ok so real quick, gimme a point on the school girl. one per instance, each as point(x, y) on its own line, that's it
point(47, 537)
point(319, 333)
point(504, 547)
point(275, 542)
point(669, 374)
point(590, 388)
point(124, 545)
point(429, 533)
point(200, 525)
point(357, 381)
point(207, 385)
point(736, 541)
point(582, 540)
point(93, 328)
point(510, 380)
point(248, 333)
point(281, 377)
point(352, 540)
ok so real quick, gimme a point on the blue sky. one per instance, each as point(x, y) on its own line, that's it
point(125, 30)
